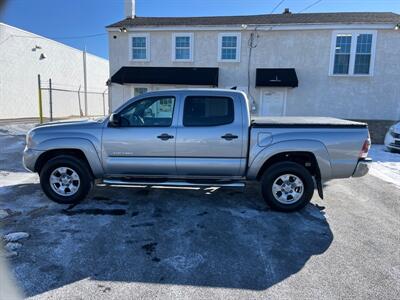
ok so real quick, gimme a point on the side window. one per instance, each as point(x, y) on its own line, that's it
point(149, 112)
point(207, 111)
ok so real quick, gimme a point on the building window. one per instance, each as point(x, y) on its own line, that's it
point(182, 47)
point(140, 47)
point(229, 47)
point(353, 53)
point(137, 91)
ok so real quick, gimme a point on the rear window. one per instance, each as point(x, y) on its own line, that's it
point(207, 111)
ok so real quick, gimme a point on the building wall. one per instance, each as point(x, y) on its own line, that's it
point(20, 65)
point(375, 97)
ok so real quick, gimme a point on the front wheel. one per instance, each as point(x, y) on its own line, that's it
point(66, 179)
point(287, 186)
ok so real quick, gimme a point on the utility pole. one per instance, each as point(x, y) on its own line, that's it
point(51, 100)
point(85, 82)
point(40, 101)
point(79, 101)
point(104, 102)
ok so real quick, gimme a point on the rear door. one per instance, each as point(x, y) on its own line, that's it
point(209, 136)
point(144, 144)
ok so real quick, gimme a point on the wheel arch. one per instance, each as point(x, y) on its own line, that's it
point(80, 148)
point(311, 154)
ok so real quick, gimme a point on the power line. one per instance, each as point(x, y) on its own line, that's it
point(78, 36)
point(309, 6)
point(276, 6)
point(53, 38)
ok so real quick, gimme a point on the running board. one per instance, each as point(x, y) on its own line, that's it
point(113, 182)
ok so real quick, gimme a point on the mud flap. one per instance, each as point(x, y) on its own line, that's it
point(319, 187)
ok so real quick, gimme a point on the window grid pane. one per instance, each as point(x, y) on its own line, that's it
point(139, 50)
point(182, 53)
point(362, 63)
point(229, 41)
point(229, 47)
point(182, 47)
point(182, 41)
point(342, 54)
point(363, 54)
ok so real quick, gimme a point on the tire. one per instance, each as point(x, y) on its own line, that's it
point(292, 197)
point(76, 188)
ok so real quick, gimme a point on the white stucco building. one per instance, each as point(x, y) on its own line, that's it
point(319, 64)
point(24, 55)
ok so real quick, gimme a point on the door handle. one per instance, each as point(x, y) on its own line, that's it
point(165, 137)
point(229, 136)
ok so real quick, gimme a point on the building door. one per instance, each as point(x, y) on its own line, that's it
point(273, 103)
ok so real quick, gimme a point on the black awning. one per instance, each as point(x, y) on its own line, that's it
point(167, 75)
point(276, 77)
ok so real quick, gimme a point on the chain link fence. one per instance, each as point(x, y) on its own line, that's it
point(63, 101)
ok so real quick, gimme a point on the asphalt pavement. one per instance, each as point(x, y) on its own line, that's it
point(132, 243)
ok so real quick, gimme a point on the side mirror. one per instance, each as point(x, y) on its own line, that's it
point(115, 120)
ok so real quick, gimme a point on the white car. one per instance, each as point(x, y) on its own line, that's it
point(392, 138)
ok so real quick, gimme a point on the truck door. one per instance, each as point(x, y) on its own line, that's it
point(209, 137)
point(144, 143)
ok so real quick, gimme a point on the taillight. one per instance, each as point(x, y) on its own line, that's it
point(365, 148)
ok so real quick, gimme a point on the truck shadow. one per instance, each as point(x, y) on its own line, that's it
point(194, 238)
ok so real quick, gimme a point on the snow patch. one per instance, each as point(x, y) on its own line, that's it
point(12, 246)
point(185, 264)
point(15, 236)
point(15, 178)
point(16, 129)
point(386, 165)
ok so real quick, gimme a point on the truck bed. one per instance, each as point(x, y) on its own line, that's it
point(304, 122)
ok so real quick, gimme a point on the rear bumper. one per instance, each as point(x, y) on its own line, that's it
point(362, 168)
point(29, 158)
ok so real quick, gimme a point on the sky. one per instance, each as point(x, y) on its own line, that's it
point(72, 21)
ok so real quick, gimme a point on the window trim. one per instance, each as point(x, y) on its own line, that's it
point(173, 44)
point(353, 50)
point(145, 35)
point(238, 46)
point(152, 97)
point(223, 124)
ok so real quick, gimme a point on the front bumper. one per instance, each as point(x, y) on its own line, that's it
point(392, 142)
point(29, 158)
point(362, 168)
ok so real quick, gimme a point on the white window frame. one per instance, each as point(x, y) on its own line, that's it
point(353, 49)
point(191, 45)
point(145, 35)
point(238, 46)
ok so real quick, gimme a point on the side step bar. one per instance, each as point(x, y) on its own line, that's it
point(119, 182)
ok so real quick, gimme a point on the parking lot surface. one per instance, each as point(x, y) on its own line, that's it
point(125, 243)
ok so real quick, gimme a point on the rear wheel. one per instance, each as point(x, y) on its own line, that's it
point(287, 186)
point(66, 179)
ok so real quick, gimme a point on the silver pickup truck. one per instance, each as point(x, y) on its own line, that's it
point(197, 137)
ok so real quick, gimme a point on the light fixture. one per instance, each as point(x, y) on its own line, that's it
point(123, 29)
point(244, 26)
point(36, 47)
point(397, 27)
point(42, 56)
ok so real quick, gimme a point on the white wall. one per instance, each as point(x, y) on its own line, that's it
point(308, 51)
point(20, 65)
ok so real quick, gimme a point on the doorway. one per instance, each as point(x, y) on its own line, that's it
point(273, 103)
